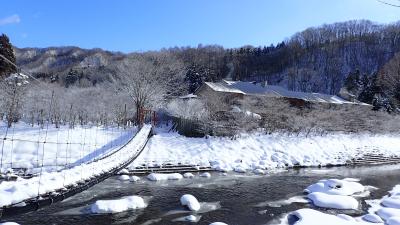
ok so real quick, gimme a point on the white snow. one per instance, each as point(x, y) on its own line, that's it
point(333, 201)
point(205, 174)
point(191, 202)
point(373, 218)
point(314, 217)
point(134, 178)
point(383, 211)
point(191, 218)
point(218, 223)
point(118, 205)
point(188, 175)
point(259, 171)
point(12, 192)
point(123, 178)
point(336, 187)
point(391, 202)
point(161, 176)
point(261, 151)
point(24, 145)
point(9, 223)
point(395, 220)
point(123, 171)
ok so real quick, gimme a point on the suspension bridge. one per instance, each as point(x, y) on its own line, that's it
point(45, 188)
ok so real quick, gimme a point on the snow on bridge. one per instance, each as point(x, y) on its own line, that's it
point(23, 192)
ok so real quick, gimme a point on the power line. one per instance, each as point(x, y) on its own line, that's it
point(387, 3)
point(18, 68)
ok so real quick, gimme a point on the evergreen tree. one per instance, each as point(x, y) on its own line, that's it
point(353, 82)
point(7, 51)
point(195, 76)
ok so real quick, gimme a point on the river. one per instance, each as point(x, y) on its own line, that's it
point(234, 199)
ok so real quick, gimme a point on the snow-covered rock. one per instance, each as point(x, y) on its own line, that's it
point(118, 205)
point(134, 178)
point(191, 202)
point(9, 223)
point(191, 218)
point(218, 223)
point(346, 217)
point(161, 176)
point(206, 175)
point(123, 171)
point(373, 218)
point(336, 187)
point(313, 217)
point(123, 178)
point(259, 171)
point(240, 169)
point(333, 201)
point(395, 220)
point(386, 213)
point(392, 202)
point(188, 175)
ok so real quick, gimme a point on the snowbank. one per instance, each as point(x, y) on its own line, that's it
point(161, 176)
point(191, 202)
point(118, 205)
point(260, 151)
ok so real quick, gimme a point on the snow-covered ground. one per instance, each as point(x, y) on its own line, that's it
point(257, 152)
point(22, 146)
point(12, 192)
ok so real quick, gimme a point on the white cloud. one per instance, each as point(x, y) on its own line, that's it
point(10, 20)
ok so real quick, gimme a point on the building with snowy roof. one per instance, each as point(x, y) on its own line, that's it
point(231, 89)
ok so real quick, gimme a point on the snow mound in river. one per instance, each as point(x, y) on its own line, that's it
point(160, 176)
point(346, 186)
point(118, 205)
point(333, 201)
point(191, 202)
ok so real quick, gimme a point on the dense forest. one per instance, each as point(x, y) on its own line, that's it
point(358, 55)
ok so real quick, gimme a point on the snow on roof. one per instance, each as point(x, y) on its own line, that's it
point(252, 88)
point(221, 87)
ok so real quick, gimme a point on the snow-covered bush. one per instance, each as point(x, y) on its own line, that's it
point(193, 109)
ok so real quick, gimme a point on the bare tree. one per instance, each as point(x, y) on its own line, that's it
point(13, 89)
point(151, 78)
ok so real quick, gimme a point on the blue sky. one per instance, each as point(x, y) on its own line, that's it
point(133, 25)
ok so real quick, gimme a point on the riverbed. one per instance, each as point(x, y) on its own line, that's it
point(236, 199)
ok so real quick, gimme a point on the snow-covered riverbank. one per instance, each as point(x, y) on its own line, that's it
point(259, 151)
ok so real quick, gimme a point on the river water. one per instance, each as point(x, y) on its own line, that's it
point(234, 199)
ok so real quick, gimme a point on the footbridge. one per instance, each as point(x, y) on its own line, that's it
point(24, 195)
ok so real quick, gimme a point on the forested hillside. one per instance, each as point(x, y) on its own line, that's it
point(314, 60)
